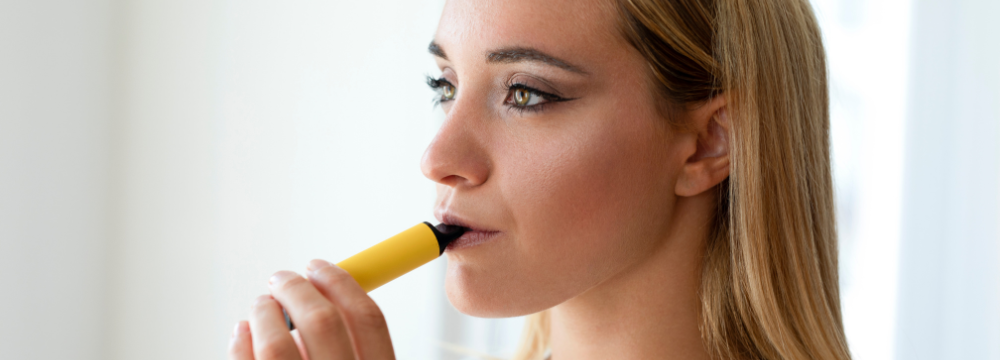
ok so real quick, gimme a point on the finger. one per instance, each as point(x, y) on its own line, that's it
point(301, 345)
point(317, 319)
point(364, 320)
point(271, 339)
point(240, 343)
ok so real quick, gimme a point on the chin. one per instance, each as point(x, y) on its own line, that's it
point(492, 297)
point(478, 299)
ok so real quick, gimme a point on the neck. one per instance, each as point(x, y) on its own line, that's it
point(648, 311)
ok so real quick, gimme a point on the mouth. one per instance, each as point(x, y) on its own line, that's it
point(474, 235)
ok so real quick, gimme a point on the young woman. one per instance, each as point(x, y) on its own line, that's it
point(649, 178)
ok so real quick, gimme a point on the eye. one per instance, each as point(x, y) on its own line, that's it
point(525, 97)
point(447, 92)
point(444, 88)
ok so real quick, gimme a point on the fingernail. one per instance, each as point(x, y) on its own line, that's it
point(281, 277)
point(259, 299)
point(317, 264)
point(232, 337)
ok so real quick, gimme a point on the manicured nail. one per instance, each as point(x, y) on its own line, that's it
point(279, 278)
point(317, 264)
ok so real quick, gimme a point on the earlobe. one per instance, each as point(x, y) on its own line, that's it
point(709, 164)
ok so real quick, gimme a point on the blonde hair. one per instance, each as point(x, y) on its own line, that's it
point(769, 281)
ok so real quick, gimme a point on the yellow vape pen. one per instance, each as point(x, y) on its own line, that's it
point(398, 255)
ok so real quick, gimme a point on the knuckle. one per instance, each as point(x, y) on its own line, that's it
point(324, 319)
point(261, 306)
point(294, 282)
point(366, 314)
point(338, 278)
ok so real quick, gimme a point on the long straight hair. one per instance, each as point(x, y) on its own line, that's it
point(769, 286)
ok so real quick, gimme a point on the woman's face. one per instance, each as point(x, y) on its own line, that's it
point(552, 151)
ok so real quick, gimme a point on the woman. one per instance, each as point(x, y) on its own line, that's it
point(649, 178)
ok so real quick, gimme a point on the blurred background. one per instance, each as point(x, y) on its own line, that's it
point(160, 159)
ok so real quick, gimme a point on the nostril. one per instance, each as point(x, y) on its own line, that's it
point(452, 180)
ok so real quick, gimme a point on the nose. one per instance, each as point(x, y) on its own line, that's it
point(456, 157)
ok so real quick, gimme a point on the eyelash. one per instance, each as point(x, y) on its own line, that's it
point(549, 98)
point(438, 84)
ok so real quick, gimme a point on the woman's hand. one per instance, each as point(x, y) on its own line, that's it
point(334, 319)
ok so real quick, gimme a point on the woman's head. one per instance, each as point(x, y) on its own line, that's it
point(580, 134)
point(580, 181)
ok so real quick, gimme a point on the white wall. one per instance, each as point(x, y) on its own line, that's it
point(164, 210)
point(949, 304)
point(54, 130)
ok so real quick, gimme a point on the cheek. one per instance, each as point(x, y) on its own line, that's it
point(585, 203)
point(568, 182)
point(586, 192)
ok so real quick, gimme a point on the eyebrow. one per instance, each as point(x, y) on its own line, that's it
point(521, 54)
point(433, 48)
point(514, 55)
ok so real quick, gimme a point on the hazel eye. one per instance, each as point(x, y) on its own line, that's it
point(522, 97)
point(447, 92)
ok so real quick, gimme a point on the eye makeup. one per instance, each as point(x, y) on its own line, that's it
point(520, 96)
point(445, 89)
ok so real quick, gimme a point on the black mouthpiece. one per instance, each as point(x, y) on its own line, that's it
point(445, 234)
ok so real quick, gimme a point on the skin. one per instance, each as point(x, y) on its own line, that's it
point(598, 209)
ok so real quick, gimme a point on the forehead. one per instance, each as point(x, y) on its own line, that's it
point(571, 28)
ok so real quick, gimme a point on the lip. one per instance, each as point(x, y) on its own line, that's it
point(475, 235)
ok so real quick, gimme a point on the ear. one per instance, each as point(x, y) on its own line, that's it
point(708, 165)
